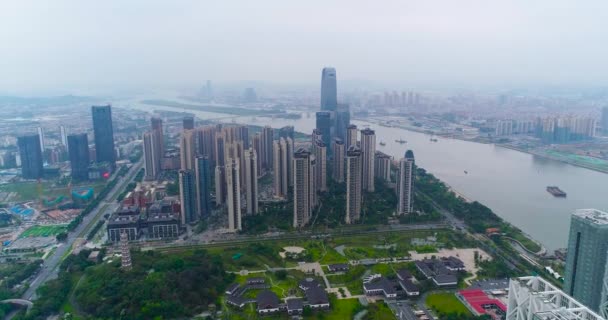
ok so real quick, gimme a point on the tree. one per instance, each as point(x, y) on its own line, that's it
point(61, 236)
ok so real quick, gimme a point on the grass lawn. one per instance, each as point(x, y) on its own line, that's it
point(445, 303)
point(340, 309)
point(28, 191)
point(43, 231)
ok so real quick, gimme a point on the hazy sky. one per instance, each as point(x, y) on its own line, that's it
point(70, 46)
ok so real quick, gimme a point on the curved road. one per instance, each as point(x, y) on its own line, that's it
point(50, 267)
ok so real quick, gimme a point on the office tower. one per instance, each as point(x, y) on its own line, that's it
point(534, 298)
point(104, 134)
point(605, 120)
point(256, 143)
point(187, 195)
point(353, 184)
point(586, 277)
point(203, 186)
point(281, 170)
point(351, 136)
point(31, 156)
point(78, 146)
point(405, 184)
point(329, 89)
point(249, 96)
point(64, 136)
point(368, 152)
point(41, 137)
point(302, 189)
point(251, 174)
point(188, 123)
point(324, 124)
point(187, 150)
point(342, 120)
point(321, 166)
point(233, 194)
point(220, 186)
point(206, 141)
point(152, 158)
point(382, 165)
point(267, 139)
point(287, 132)
point(338, 160)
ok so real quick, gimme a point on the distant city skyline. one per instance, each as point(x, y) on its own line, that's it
point(472, 43)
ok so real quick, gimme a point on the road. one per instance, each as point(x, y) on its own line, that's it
point(50, 267)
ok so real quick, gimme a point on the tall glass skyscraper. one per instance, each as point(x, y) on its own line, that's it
point(324, 124)
point(586, 278)
point(104, 134)
point(31, 156)
point(329, 89)
point(78, 146)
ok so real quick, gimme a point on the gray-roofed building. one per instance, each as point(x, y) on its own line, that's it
point(309, 283)
point(268, 302)
point(404, 274)
point(256, 280)
point(294, 306)
point(232, 289)
point(411, 290)
point(237, 301)
point(445, 280)
point(339, 267)
point(317, 298)
point(380, 286)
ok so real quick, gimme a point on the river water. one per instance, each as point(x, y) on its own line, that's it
point(511, 183)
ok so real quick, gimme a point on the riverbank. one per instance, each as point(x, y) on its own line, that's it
point(546, 156)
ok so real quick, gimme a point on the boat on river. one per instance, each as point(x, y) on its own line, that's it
point(556, 191)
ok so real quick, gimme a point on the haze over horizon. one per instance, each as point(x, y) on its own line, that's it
point(72, 46)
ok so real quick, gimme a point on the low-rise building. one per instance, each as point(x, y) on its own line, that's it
point(339, 267)
point(125, 219)
point(295, 306)
point(309, 283)
point(268, 302)
point(316, 298)
point(380, 286)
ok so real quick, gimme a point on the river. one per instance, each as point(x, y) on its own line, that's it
point(511, 183)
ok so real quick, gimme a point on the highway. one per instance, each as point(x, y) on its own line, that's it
point(50, 267)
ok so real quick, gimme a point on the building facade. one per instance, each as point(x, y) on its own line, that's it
point(585, 277)
point(353, 184)
point(405, 184)
point(329, 89)
point(251, 173)
point(187, 150)
point(78, 146)
point(368, 152)
point(31, 156)
point(203, 186)
point(302, 188)
point(104, 134)
point(187, 196)
point(338, 160)
point(382, 166)
point(233, 194)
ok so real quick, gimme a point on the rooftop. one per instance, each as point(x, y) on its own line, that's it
point(294, 304)
point(479, 301)
point(267, 300)
point(593, 215)
point(316, 295)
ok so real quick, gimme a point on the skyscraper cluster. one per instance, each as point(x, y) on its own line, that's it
point(222, 152)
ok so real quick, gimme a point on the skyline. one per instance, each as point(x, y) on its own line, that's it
point(437, 43)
